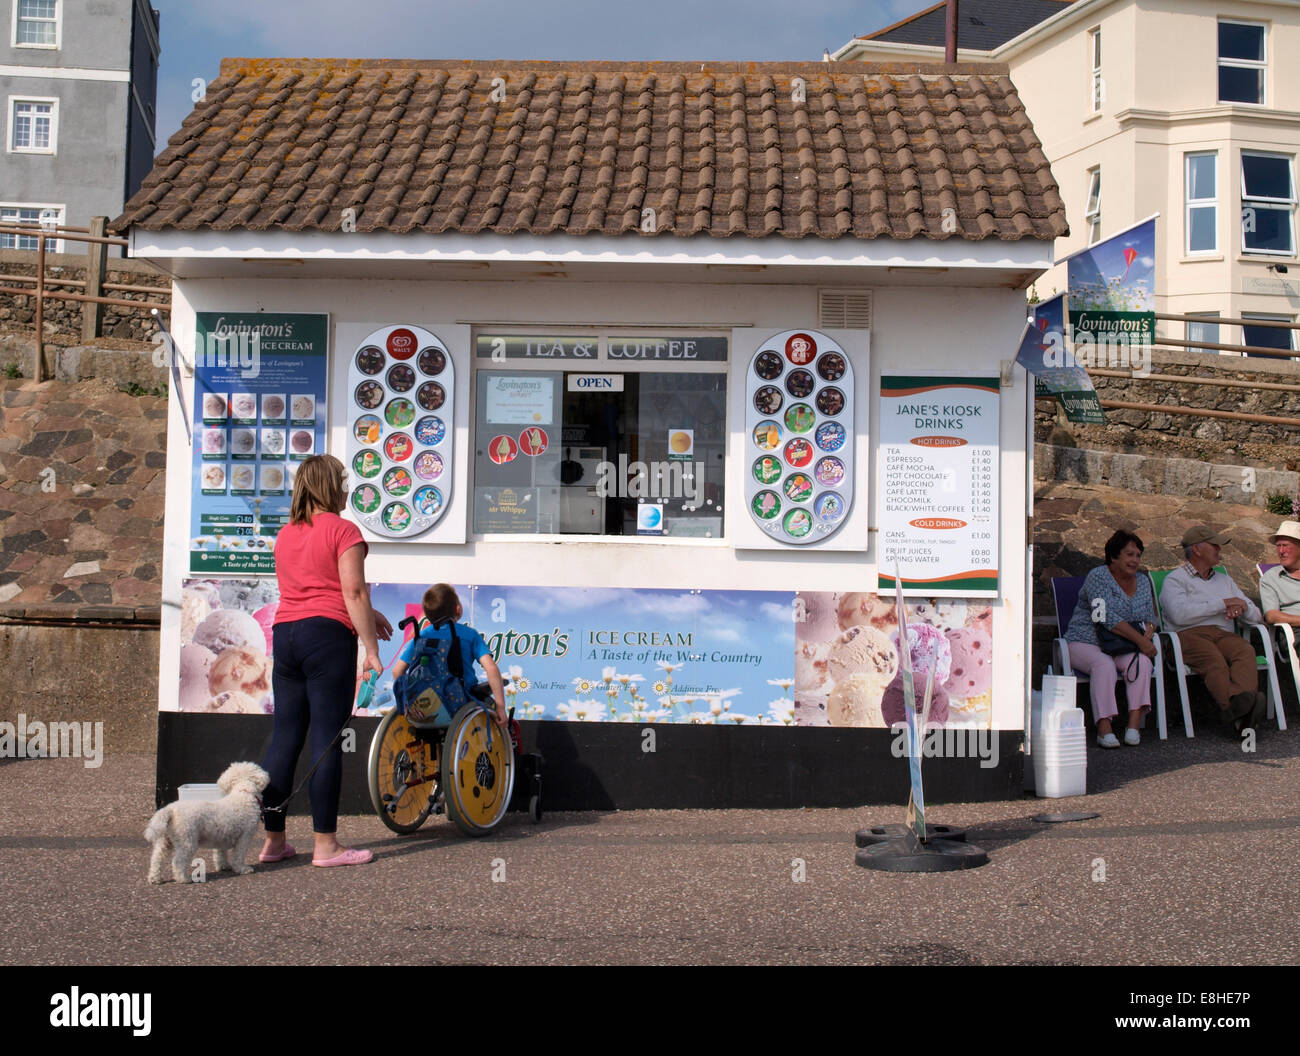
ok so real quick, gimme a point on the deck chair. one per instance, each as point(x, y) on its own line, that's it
point(1065, 595)
point(1263, 659)
point(1286, 648)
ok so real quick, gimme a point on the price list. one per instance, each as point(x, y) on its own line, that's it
point(938, 485)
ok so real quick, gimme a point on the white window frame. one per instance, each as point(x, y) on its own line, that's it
point(58, 28)
point(1092, 206)
point(1268, 317)
point(1272, 204)
point(14, 102)
point(1205, 319)
point(1242, 64)
point(52, 245)
point(605, 335)
point(1094, 55)
point(1190, 203)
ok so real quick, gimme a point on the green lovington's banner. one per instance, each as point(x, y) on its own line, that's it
point(1112, 290)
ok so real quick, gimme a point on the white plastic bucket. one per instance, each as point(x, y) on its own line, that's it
point(198, 791)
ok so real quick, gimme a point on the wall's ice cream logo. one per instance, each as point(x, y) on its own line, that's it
point(800, 349)
point(502, 449)
point(401, 343)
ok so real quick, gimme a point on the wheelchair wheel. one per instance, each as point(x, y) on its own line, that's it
point(478, 771)
point(402, 769)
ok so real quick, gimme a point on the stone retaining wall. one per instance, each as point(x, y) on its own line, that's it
point(1145, 475)
point(64, 318)
point(1178, 436)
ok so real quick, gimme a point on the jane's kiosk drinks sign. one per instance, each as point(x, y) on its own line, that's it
point(938, 481)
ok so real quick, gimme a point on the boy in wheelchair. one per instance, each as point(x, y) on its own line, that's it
point(442, 609)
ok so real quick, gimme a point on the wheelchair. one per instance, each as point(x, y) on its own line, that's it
point(467, 770)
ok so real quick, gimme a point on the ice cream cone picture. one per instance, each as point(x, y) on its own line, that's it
point(533, 441)
point(502, 449)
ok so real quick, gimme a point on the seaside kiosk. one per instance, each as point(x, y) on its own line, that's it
point(671, 368)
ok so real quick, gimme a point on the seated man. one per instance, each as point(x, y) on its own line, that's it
point(1200, 604)
point(1279, 587)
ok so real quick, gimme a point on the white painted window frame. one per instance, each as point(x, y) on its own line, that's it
point(1092, 206)
point(52, 245)
point(1190, 203)
point(1094, 55)
point(1242, 64)
point(1205, 319)
point(58, 29)
point(1272, 204)
point(14, 101)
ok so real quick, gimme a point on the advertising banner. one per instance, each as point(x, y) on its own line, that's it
point(714, 657)
point(938, 485)
point(1112, 289)
point(259, 411)
point(1045, 353)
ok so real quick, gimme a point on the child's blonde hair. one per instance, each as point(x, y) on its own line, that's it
point(440, 603)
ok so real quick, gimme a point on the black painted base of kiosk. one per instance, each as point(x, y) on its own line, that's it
point(602, 765)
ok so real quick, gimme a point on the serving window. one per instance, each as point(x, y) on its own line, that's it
point(600, 434)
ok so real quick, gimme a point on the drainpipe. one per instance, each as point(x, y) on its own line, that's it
point(950, 41)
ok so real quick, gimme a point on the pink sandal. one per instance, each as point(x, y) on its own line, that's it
point(288, 852)
point(349, 857)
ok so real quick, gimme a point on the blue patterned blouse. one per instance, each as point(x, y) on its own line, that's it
point(1117, 607)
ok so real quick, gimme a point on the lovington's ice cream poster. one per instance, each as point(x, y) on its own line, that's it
point(717, 657)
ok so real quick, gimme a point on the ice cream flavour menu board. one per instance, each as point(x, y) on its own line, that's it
point(401, 396)
point(259, 410)
point(799, 437)
point(938, 485)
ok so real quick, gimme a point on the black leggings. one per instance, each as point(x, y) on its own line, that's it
point(314, 680)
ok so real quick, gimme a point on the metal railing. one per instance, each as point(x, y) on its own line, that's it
point(93, 285)
point(1208, 346)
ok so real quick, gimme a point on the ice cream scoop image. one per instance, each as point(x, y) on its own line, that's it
point(196, 665)
point(855, 702)
point(858, 610)
point(972, 662)
point(195, 608)
point(946, 615)
point(230, 629)
point(810, 667)
point(862, 651)
point(894, 710)
point(929, 650)
point(265, 616)
point(815, 616)
point(810, 709)
point(233, 702)
point(242, 670)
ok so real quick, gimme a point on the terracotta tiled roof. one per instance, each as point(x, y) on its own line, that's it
point(872, 151)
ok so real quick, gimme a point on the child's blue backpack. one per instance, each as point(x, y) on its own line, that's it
point(432, 688)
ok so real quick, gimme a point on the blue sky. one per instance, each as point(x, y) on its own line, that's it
point(197, 35)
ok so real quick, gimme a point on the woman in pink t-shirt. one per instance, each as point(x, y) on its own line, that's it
point(324, 608)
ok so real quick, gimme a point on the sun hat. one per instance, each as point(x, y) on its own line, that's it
point(1286, 530)
point(1203, 534)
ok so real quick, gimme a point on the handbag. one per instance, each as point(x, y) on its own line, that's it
point(1113, 644)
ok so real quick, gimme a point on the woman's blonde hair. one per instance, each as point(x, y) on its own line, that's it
point(318, 484)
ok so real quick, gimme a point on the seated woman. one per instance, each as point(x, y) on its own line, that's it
point(1115, 596)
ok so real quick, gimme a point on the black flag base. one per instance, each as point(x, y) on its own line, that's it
point(895, 849)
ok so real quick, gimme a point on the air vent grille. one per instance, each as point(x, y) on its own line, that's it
point(844, 309)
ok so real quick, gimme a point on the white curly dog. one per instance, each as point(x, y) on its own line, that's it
point(228, 825)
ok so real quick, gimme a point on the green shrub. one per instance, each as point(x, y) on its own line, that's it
point(12, 371)
point(1278, 502)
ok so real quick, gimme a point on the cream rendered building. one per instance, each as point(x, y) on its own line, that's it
point(1186, 108)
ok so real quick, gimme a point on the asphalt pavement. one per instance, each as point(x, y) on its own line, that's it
point(1192, 861)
